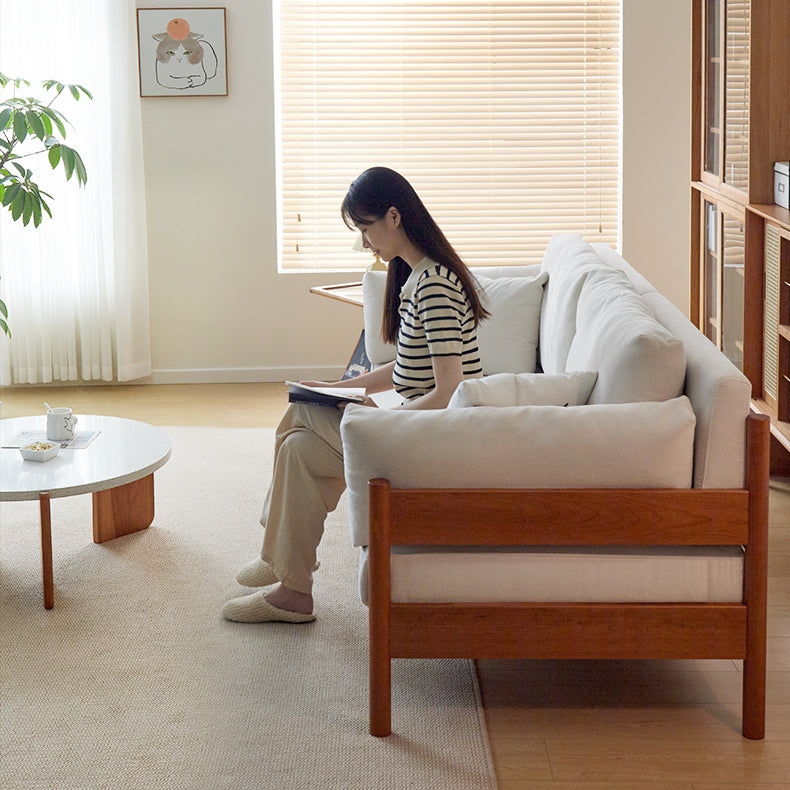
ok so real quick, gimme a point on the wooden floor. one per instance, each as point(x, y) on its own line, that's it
point(554, 725)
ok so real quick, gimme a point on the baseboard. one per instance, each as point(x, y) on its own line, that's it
point(209, 376)
point(240, 375)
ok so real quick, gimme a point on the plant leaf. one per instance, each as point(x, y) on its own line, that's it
point(74, 92)
point(56, 117)
point(50, 84)
point(11, 193)
point(20, 125)
point(18, 205)
point(79, 166)
point(36, 125)
point(67, 155)
point(37, 212)
point(27, 212)
point(5, 117)
point(54, 155)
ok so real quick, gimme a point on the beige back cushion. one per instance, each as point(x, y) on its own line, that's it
point(637, 358)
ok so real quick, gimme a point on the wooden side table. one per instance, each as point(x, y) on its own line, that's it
point(350, 293)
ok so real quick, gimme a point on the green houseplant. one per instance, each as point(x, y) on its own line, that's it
point(30, 126)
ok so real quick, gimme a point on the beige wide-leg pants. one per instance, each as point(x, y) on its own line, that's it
point(307, 482)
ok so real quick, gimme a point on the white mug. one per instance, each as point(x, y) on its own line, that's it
point(60, 424)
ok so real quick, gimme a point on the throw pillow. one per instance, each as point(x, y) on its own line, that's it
point(508, 338)
point(525, 389)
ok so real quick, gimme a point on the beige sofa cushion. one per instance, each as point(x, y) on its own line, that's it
point(508, 339)
point(614, 260)
point(571, 574)
point(631, 445)
point(568, 260)
point(637, 358)
point(525, 389)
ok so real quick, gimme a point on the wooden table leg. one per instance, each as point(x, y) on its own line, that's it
point(46, 549)
point(123, 510)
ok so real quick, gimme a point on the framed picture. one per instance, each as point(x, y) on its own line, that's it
point(182, 51)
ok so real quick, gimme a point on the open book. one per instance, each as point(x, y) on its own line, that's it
point(323, 396)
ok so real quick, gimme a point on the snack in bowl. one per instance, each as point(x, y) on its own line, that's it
point(39, 451)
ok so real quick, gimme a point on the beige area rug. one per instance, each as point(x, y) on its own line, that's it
point(133, 680)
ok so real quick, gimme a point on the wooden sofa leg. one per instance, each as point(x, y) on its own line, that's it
point(753, 707)
point(755, 582)
point(379, 609)
point(380, 695)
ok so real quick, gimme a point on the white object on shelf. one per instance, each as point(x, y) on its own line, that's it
point(782, 184)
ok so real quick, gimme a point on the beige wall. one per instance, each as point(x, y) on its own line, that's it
point(656, 143)
point(219, 309)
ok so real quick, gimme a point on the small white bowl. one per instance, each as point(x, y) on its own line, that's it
point(40, 451)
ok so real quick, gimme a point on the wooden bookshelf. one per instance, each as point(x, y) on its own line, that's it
point(740, 95)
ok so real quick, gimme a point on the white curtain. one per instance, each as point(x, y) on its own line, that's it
point(76, 287)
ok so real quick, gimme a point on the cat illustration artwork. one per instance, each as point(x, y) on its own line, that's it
point(184, 59)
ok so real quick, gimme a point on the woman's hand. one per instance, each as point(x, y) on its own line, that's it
point(364, 401)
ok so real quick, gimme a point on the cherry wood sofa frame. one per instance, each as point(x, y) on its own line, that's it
point(547, 630)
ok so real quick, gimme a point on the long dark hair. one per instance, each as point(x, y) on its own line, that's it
point(369, 197)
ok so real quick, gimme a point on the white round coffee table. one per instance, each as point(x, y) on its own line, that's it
point(117, 467)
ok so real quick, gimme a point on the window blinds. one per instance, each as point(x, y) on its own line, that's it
point(504, 116)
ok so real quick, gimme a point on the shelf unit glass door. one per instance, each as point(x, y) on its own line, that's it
point(711, 308)
point(727, 59)
point(712, 88)
point(723, 279)
point(736, 95)
point(732, 261)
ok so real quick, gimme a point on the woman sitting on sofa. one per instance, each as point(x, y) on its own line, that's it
point(431, 312)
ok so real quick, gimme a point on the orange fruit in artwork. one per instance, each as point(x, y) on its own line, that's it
point(178, 29)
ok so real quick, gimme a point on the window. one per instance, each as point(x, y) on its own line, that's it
point(505, 116)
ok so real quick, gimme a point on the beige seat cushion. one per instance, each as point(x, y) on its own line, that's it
point(565, 574)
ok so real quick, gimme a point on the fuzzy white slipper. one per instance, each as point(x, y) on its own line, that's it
point(258, 573)
point(256, 609)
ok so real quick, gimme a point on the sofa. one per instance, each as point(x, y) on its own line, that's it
point(602, 492)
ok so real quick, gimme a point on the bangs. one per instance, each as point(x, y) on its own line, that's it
point(353, 215)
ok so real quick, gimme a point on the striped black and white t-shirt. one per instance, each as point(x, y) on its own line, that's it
point(435, 320)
